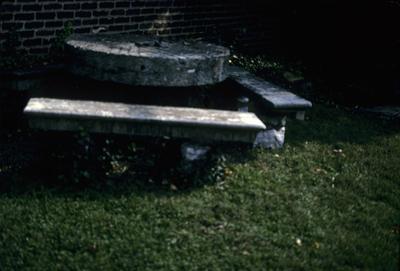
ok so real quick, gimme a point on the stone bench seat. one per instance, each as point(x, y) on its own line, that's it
point(142, 120)
point(272, 96)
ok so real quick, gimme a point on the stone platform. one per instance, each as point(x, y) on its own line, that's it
point(147, 61)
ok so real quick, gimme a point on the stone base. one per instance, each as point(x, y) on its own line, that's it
point(192, 155)
point(270, 139)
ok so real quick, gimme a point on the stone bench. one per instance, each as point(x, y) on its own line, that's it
point(273, 97)
point(159, 121)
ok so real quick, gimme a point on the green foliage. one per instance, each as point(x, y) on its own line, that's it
point(58, 46)
point(219, 170)
point(275, 69)
point(89, 160)
point(257, 63)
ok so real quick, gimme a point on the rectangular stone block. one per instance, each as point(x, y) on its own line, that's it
point(271, 95)
point(158, 121)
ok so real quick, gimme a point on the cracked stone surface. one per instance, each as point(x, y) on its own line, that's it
point(147, 61)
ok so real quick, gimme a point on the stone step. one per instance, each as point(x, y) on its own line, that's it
point(142, 120)
point(272, 96)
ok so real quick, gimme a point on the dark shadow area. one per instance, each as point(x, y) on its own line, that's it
point(349, 50)
point(334, 125)
point(65, 162)
point(65, 86)
point(72, 164)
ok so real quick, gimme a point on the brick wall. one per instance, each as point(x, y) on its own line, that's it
point(37, 23)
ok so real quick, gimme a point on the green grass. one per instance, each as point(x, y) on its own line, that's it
point(330, 200)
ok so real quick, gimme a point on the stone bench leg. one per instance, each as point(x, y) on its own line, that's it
point(274, 136)
point(192, 154)
point(301, 115)
point(270, 139)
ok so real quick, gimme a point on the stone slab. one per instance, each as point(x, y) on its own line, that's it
point(388, 112)
point(147, 61)
point(118, 118)
point(271, 95)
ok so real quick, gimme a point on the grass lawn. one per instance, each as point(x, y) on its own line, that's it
point(329, 200)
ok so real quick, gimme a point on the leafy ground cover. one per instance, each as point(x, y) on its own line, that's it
point(329, 200)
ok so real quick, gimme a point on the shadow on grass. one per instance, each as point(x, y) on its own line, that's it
point(76, 165)
point(332, 125)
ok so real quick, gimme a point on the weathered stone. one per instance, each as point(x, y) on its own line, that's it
point(300, 115)
point(293, 78)
point(146, 61)
point(117, 118)
point(270, 139)
point(388, 112)
point(273, 96)
point(193, 152)
point(243, 104)
point(193, 157)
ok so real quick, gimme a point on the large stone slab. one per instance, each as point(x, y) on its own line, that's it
point(118, 118)
point(271, 95)
point(146, 61)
